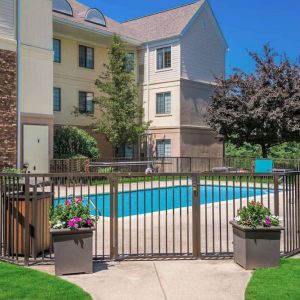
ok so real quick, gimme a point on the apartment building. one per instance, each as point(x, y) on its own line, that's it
point(26, 82)
point(60, 50)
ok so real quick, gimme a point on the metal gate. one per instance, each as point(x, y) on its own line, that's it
point(144, 216)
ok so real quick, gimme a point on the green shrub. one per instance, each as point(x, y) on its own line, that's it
point(73, 142)
point(11, 171)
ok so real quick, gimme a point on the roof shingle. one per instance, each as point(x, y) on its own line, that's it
point(163, 24)
point(157, 26)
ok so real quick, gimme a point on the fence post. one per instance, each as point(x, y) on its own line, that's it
point(297, 200)
point(196, 217)
point(276, 195)
point(26, 223)
point(114, 217)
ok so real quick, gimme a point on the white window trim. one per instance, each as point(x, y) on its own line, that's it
point(165, 69)
point(163, 114)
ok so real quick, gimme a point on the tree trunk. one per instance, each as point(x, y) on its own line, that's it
point(265, 151)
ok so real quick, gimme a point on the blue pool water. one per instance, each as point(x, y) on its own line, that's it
point(157, 199)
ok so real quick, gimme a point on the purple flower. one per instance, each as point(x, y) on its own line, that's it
point(268, 221)
point(77, 219)
point(71, 224)
point(89, 222)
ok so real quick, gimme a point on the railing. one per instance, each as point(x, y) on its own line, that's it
point(144, 216)
point(169, 164)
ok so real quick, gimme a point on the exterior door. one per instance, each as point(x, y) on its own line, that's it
point(36, 148)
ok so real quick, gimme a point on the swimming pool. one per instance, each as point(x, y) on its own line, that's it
point(165, 198)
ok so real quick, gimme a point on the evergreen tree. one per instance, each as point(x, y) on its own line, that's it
point(121, 113)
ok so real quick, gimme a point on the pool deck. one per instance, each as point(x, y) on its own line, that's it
point(166, 279)
point(169, 279)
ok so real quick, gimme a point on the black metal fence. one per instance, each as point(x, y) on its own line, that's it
point(169, 164)
point(144, 216)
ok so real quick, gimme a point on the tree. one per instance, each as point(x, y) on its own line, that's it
point(259, 108)
point(121, 113)
point(71, 142)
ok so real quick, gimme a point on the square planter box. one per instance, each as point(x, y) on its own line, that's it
point(256, 248)
point(73, 250)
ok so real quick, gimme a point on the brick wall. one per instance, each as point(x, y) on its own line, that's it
point(8, 110)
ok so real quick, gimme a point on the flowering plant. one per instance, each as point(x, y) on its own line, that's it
point(255, 214)
point(72, 214)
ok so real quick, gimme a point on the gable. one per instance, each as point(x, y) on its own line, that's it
point(206, 7)
point(203, 48)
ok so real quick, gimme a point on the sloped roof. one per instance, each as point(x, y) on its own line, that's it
point(157, 26)
point(79, 11)
point(164, 24)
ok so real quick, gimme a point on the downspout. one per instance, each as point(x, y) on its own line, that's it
point(148, 79)
point(148, 102)
point(18, 83)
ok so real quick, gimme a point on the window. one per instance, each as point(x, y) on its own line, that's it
point(163, 58)
point(93, 15)
point(125, 151)
point(163, 103)
point(163, 148)
point(56, 99)
point(57, 51)
point(86, 102)
point(62, 6)
point(129, 62)
point(86, 57)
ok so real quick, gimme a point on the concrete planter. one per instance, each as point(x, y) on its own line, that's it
point(256, 248)
point(73, 250)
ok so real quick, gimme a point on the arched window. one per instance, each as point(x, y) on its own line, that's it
point(93, 15)
point(62, 6)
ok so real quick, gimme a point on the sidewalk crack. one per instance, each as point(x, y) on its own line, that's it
point(160, 283)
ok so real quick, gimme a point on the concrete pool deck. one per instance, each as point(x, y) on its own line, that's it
point(161, 280)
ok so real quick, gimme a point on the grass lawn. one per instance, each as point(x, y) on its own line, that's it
point(276, 283)
point(17, 282)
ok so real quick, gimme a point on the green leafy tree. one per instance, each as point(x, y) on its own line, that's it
point(261, 108)
point(121, 113)
point(290, 150)
point(71, 142)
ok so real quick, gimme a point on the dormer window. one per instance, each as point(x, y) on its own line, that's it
point(95, 16)
point(63, 7)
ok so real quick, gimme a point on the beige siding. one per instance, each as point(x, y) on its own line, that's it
point(36, 57)
point(36, 23)
point(8, 19)
point(71, 79)
point(158, 76)
point(203, 50)
point(195, 98)
point(162, 120)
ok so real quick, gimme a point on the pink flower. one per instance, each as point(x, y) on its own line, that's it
point(76, 225)
point(268, 221)
point(71, 224)
point(67, 203)
point(89, 222)
point(78, 200)
point(77, 219)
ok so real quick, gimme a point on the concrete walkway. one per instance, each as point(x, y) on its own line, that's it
point(156, 280)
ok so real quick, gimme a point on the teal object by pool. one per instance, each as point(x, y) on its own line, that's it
point(159, 199)
point(263, 166)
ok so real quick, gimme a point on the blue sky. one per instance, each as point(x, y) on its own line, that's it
point(245, 24)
